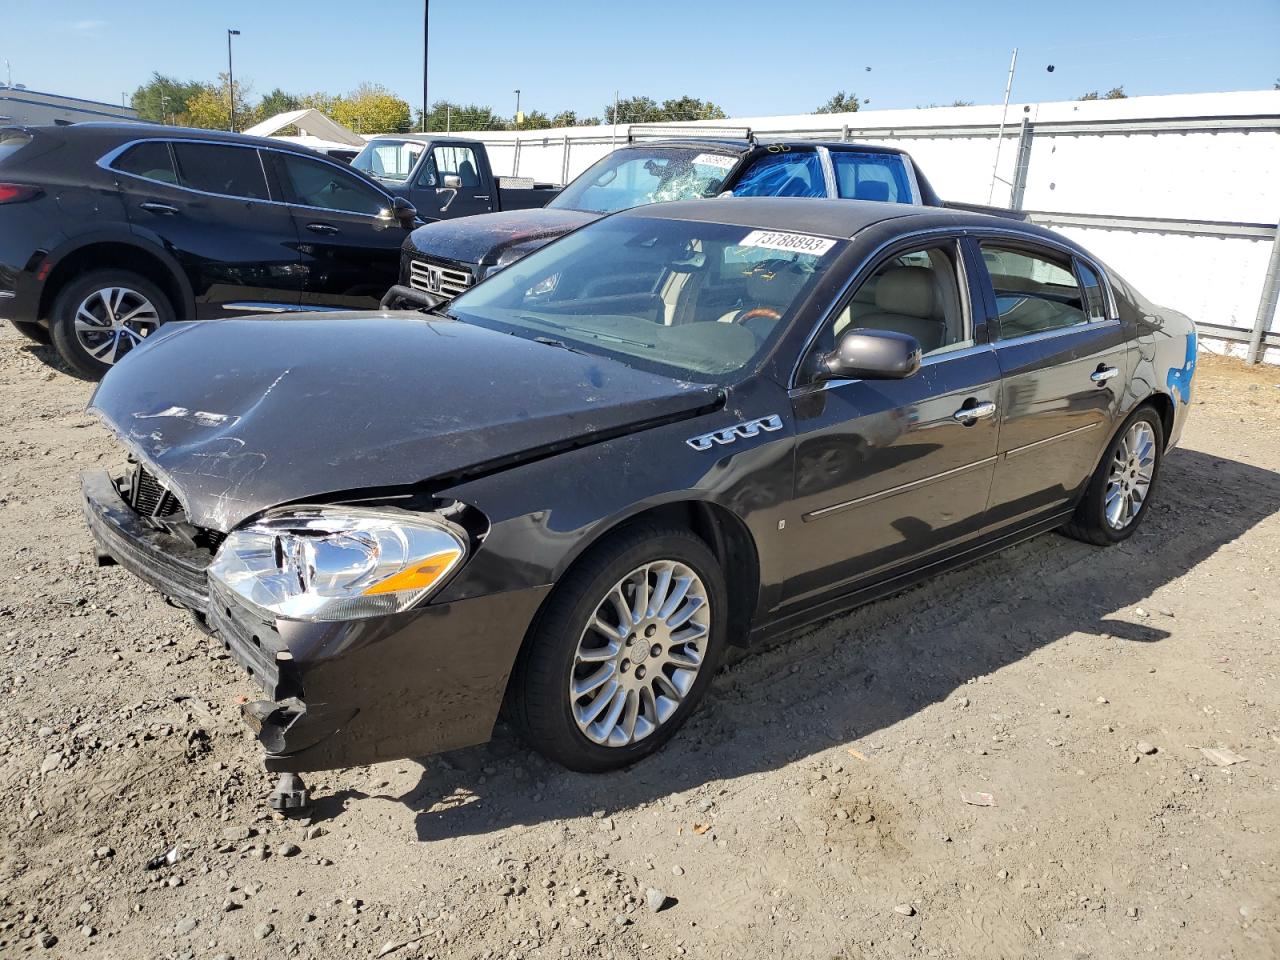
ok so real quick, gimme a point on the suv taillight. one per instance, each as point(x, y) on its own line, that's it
point(18, 192)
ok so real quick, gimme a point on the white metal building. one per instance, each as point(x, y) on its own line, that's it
point(18, 105)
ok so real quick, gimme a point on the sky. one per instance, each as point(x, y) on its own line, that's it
point(752, 57)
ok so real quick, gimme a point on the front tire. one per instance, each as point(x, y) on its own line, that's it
point(623, 651)
point(1115, 502)
point(98, 318)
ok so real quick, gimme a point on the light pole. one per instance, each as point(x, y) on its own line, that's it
point(517, 117)
point(231, 78)
point(426, 18)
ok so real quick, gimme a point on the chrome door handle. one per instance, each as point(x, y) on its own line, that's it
point(1103, 374)
point(979, 411)
point(480, 197)
point(322, 228)
point(161, 208)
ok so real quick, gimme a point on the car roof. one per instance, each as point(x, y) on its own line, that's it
point(829, 218)
point(124, 131)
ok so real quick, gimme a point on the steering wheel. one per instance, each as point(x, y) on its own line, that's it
point(767, 312)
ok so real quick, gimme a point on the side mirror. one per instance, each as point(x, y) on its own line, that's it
point(404, 211)
point(871, 355)
point(452, 182)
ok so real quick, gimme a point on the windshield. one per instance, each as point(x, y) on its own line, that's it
point(690, 300)
point(389, 159)
point(634, 177)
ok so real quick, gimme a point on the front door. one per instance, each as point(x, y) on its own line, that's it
point(348, 240)
point(208, 204)
point(890, 470)
point(1064, 361)
point(433, 191)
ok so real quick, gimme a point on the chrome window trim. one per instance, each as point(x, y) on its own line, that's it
point(953, 233)
point(1054, 333)
point(894, 491)
point(113, 154)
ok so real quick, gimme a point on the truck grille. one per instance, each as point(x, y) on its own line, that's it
point(149, 497)
point(433, 278)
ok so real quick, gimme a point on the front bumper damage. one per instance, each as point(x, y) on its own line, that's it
point(337, 694)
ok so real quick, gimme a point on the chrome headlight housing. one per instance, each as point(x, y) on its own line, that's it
point(338, 563)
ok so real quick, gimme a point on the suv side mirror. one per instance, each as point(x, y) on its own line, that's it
point(871, 355)
point(404, 211)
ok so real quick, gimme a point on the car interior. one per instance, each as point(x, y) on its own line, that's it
point(1033, 293)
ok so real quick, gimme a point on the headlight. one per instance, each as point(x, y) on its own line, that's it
point(337, 564)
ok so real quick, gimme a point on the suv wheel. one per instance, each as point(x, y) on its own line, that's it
point(100, 317)
point(623, 651)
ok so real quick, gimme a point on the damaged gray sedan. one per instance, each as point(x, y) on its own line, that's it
point(567, 490)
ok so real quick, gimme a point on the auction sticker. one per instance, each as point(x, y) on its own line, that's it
point(716, 160)
point(791, 242)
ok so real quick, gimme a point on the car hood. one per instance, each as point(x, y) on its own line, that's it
point(484, 238)
point(236, 416)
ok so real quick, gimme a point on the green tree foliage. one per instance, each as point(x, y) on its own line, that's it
point(210, 108)
point(277, 101)
point(371, 108)
point(446, 115)
point(841, 102)
point(648, 110)
point(1115, 93)
point(164, 100)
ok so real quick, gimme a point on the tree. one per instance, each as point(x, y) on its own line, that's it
point(1115, 93)
point(536, 120)
point(277, 101)
point(211, 107)
point(446, 115)
point(371, 108)
point(691, 108)
point(648, 110)
point(841, 102)
point(163, 99)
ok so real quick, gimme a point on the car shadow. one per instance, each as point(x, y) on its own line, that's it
point(854, 675)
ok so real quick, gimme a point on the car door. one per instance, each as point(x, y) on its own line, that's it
point(1064, 363)
point(348, 238)
point(437, 193)
point(889, 471)
point(210, 206)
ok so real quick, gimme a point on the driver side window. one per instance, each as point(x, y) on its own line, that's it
point(314, 183)
point(915, 292)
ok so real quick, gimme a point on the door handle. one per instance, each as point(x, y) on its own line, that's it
point(1103, 374)
point(322, 228)
point(163, 209)
point(480, 197)
point(971, 415)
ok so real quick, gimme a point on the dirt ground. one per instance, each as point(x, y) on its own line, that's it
point(814, 807)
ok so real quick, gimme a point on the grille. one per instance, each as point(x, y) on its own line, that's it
point(149, 497)
point(446, 281)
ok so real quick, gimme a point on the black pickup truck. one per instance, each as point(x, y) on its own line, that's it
point(445, 258)
point(446, 177)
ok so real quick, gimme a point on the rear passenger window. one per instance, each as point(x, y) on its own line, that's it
point(1095, 299)
point(151, 160)
point(788, 173)
point(1034, 292)
point(871, 176)
point(230, 171)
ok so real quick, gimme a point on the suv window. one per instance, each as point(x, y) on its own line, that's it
point(214, 168)
point(786, 173)
point(1034, 292)
point(917, 292)
point(314, 183)
point(871, 176)
point(151, 160)
point(450, 161)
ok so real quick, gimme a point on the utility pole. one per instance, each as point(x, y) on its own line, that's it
point(231, 78)
point(426, 23)
point(517, 116)
point(8, 72)
point(1008, 86)
point(613, 140)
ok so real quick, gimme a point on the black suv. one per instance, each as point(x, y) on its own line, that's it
point(108, 230)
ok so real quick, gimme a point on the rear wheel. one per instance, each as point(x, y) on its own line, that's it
point(623, 651)
point(1118, 493)
point(98, 318)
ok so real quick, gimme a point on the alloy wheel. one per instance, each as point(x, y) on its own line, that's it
point(640, 653)
point(1132, 470)
point(113, 320)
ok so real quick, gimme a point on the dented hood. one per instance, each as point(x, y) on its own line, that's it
point(486, 236)
point(236, 416)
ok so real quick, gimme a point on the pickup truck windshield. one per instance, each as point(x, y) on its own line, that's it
point(686, 299)
point(389, 159)
point(634, 177)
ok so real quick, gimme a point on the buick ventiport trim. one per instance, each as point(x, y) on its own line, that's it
point(567, 490)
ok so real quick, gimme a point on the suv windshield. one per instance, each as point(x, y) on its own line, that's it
point(389, 159)
point(633, 177)
point(687, 299)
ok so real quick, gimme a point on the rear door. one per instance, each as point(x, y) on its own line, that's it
point(1064, 364)
point(210, 206)
point(348, 240)
point(432, 193)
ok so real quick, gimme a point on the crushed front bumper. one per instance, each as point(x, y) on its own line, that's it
point(345, 693)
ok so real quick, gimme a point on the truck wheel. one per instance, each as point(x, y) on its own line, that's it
point(623, 651)
point(100, 317)
point(1116, 499)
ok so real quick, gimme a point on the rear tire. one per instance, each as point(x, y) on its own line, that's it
point(99, 317)
point(1115, 502)
point(658, 668)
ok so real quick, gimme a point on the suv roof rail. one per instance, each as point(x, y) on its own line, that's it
point(673, 131)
